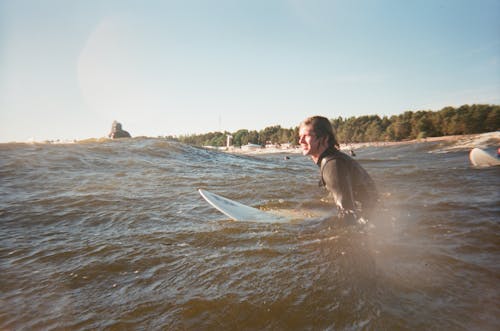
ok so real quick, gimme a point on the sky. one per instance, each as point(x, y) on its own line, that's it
point(68, 69)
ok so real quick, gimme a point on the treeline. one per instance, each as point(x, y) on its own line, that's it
point(467, 119)
point(272, 134)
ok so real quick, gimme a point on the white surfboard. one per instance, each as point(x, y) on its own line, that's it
point(480, 158)
point(240, 212)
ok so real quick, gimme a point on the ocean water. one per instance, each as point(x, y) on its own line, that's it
point(113, 235)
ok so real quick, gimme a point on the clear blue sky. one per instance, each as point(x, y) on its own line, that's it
point(69, 68)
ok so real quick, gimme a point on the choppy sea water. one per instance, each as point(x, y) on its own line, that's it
point(114, 235)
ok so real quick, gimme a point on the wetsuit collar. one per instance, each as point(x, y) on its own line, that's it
point(328, 151)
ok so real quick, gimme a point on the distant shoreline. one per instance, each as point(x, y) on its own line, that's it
point(462, 141)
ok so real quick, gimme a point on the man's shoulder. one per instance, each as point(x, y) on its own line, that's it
point(335, 156)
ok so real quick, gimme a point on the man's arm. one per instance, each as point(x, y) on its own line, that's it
point(339, 183)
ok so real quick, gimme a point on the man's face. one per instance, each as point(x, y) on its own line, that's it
point(311, 145)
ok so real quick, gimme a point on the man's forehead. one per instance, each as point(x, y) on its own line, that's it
point(305, 129)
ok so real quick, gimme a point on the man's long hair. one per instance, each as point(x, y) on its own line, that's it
point(322, 127)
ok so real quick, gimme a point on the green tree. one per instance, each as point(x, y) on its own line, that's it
point(253, 137)
point(374, 131)
point(240, 137)
point(492, 121)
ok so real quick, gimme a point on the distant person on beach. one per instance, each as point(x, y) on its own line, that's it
point(117, 131)
point(352, 189)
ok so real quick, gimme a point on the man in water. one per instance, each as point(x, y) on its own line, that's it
point(117, 131)
point(352, 189)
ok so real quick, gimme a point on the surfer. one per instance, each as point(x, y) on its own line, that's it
point(352, 189)
point(117, 131)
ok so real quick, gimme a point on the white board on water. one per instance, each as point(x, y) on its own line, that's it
point(480, 158)
point(238, 211)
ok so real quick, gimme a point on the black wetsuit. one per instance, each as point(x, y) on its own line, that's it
point(347, 183)
point(119, 134)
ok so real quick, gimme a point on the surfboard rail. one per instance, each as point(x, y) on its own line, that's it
point(238, 211)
